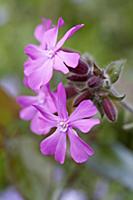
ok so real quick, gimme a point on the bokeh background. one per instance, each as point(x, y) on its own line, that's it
point(107, 36)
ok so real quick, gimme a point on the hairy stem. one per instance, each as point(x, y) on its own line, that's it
point(124, 103)
point(127, 106)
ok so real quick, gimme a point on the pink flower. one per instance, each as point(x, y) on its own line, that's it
point(29, 112)
point(81, 119)
point(48, 56)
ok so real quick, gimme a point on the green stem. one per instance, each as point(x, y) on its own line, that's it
point(127, 106)
point(124, 103)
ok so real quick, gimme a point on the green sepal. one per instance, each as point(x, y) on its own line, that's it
point(116, 97)
point(114, 70)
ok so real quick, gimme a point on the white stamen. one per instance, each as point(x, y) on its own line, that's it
point(49, 53)
point(63, 126)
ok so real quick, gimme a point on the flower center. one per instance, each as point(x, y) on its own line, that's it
point(63, 126)
point(50, 53)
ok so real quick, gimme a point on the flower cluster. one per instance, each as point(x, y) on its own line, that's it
point(47, 109)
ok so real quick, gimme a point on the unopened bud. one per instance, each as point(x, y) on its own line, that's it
point(70, 91)
point(94, 81)
point(82, 68)
point(109, 109)
point(77, 78)
point(83, 96)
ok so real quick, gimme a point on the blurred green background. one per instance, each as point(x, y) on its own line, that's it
point(107, 36)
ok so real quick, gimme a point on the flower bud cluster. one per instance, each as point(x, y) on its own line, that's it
point(94, 83)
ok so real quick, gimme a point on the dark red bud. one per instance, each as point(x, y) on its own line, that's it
point(85, 95)
point(78, 78)
point(82, 68)
point(109, 109)
point(94, 81)
point(70, 91)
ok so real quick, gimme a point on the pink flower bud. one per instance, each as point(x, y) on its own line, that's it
point(82, 68)
point(70, 91)
point(77, 78)
point(94, 81)
point(85, 95)
point(109, 109)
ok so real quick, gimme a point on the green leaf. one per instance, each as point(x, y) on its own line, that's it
point(114, 70)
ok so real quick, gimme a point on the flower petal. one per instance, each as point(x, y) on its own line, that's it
point(39, 125)
point(50, 36)
point(61, 102)
point(68, 34)
point(42, 28)
point(79, 150)
point(25, 81)
point(60, 151)
point(51, 118)
point(27, 113)
point(31, 65)
point(50, 98)
point(26, 100)
point(59, 65)
point(84, 110)
point(70, 59)
point(41, 76)
point(48, 145)
point(50, 105)
point(33, 51)
point(85, 125)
